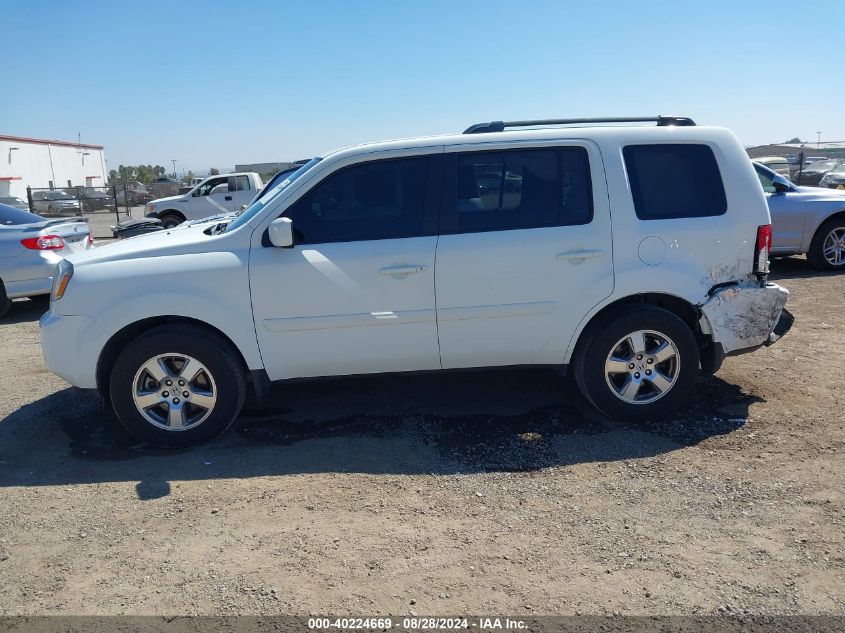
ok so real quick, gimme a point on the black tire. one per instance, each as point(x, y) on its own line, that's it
point(5, 302)
point(816, 253)
point(597, 344)
point(171, 220)
point(215, 353)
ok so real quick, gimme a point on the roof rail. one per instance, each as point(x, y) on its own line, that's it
point(499, 126)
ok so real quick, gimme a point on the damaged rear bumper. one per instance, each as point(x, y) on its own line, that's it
point(743, 317)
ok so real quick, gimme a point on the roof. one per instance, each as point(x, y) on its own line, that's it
point(44, 141)
point(598, 133)
point(771, 159)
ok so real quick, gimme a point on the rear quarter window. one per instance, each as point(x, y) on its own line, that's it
point(670, 181)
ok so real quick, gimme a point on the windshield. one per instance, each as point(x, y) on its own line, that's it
point(11, 215)
point(269, 194)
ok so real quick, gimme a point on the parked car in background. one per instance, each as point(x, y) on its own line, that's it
point(813, 173)
point(214, 195)
point(12, 201)
point(778, 164)
point(388, 257)
point(805, 220)
point(93, 199)
point(835, 178)
point(55, 202)
point(30, 248)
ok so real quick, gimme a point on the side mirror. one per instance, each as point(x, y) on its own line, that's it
point(781, 184)
point(281, 233)
point(195, 193)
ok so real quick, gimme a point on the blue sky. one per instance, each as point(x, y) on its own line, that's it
point(217, 83)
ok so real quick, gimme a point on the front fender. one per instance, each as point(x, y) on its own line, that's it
point(209, 287)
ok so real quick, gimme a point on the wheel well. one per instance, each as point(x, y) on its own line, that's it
point(132, 331)
point(679, 307)
point(833, 216)
point(172, 212)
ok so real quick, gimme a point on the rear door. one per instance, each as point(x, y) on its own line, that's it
point(524, 252)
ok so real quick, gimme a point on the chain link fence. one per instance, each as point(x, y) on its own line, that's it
point(98, 205)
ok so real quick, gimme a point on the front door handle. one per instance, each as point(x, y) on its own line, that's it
point(580, 255)
point(403, 270)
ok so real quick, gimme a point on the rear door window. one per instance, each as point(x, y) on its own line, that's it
point(671, 181)
point(520, 189)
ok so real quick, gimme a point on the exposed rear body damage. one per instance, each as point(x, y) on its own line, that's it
point(743, 316)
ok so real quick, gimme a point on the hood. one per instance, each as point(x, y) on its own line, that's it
point(183, 239)
point(820, 193)
point(156, 201)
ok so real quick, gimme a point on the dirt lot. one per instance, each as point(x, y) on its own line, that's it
point(472, 493)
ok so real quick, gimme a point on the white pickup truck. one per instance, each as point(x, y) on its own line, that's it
point(212, 196)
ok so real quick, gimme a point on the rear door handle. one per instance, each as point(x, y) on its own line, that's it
point(227, 198)
point(578, 256)
point(402, 271)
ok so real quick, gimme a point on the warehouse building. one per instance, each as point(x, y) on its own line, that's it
point(33, 162)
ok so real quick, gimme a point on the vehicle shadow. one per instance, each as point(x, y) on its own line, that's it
point(796, 267)
point(26, 310)
point(478, 421)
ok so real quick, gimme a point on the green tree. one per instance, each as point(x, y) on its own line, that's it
point(795, 139)
point(188, 177)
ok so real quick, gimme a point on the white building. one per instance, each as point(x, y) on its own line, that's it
point(38, 162)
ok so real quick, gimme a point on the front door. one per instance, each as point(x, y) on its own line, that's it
point(524, 253)
point(788, 213)
point(211, 198)
point(242, 191)
point(355, 294)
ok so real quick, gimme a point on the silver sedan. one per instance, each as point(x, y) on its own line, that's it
point(805, 220)
point(30, 248)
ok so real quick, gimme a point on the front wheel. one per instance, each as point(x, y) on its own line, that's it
point(171, 220)
point(177, 385)
point(640, 364)
point(827, 250)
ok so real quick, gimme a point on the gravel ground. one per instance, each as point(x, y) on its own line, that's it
point(477, 492)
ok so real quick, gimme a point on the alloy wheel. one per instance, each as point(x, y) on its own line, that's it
point(174, 392)
point(642, 367)
point(833, 247)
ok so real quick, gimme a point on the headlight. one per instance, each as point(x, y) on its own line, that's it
point(64, 272)
point(150, 208)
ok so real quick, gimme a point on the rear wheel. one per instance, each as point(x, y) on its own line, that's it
point(171, 220)
point(177, 385)
point(827, 250)
point(637, 364)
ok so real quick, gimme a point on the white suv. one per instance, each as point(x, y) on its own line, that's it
point(634, 256)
